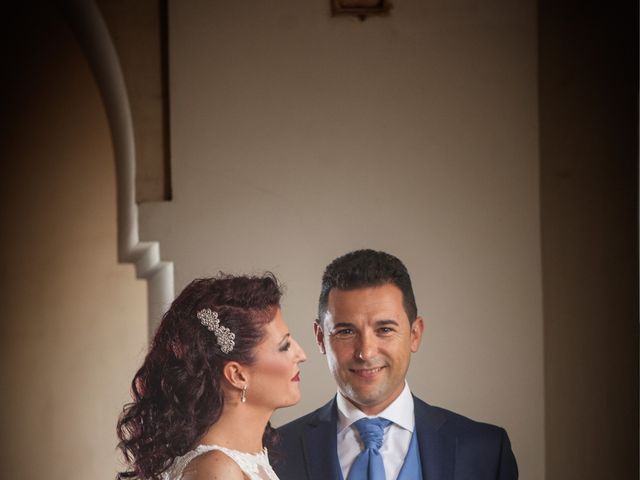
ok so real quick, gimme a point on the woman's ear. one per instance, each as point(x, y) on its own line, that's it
point(235, 374)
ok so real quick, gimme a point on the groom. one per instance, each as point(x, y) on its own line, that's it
point(374, 428)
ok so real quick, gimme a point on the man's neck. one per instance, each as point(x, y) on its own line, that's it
point(373, 410)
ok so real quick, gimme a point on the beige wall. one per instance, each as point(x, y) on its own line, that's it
point(297, 137)
point(73, 321)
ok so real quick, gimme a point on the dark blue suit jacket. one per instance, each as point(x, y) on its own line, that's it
point(452, 447)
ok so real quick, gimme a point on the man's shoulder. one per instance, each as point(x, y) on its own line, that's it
point(310, 419)
point(427, 416)
point(479, 446)
point(447, 421)
point(293, 441)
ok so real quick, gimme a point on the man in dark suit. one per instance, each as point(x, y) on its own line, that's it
point(374, 428)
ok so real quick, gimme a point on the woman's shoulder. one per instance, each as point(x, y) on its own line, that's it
point(212, 465)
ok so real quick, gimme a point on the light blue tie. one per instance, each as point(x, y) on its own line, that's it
point(368, 464)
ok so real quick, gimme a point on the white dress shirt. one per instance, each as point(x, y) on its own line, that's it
point(397, 436)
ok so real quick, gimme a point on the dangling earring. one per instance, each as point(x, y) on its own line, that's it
point(243, 394)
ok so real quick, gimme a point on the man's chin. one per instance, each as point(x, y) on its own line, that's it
point(362, 398)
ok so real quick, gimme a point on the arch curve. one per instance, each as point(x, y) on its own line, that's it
point(86, 21)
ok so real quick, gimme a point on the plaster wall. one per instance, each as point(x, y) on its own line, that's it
point(297, 137)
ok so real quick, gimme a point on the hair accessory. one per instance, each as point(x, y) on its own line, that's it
point(224, 336)
point(243, 394)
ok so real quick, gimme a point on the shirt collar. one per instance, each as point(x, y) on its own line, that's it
point(399, 412)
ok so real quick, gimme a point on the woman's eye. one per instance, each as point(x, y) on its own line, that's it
point(285, 347)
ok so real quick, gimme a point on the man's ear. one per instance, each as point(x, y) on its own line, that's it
point(417, 329)
point(236, 374)
point(319, 334)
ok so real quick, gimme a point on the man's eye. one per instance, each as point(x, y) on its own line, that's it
point(343, 332)
point(385, 330)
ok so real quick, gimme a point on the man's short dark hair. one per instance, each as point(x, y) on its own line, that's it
point(363, 269)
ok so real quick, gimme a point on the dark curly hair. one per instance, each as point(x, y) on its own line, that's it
point(363, 269)
point(177, 393)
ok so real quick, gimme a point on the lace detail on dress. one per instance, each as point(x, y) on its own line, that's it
point(254, 465)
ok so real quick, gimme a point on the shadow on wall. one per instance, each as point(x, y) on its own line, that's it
point(74, 322)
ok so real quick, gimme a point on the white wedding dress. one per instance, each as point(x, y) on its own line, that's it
point(254, 465)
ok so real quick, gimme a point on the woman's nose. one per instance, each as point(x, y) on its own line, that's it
point(302, 356)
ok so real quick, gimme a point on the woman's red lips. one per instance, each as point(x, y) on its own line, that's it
point(296, 377)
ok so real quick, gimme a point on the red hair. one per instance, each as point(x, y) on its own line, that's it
point(177, 392)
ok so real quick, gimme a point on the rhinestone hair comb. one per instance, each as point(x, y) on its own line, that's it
point(224, 336)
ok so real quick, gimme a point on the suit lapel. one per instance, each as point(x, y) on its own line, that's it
point(437, 450)
point(320, 444)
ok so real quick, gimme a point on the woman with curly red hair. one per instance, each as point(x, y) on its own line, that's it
point(222, 360)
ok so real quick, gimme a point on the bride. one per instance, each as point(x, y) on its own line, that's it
point(221, 362)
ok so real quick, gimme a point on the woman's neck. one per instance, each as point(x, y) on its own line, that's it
point(240, 427)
